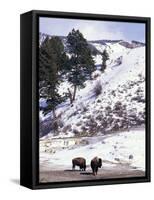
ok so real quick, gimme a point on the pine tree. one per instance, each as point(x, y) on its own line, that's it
point(51, 61)
point(81, 61)
point(105, 57)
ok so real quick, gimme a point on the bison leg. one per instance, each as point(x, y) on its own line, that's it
point(96, 170)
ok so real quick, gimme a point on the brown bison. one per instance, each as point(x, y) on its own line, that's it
point(95, 164)
point(81, 162)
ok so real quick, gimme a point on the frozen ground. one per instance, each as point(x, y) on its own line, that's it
point(125, 150)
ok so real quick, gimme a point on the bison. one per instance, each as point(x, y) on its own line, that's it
point(95, 164)
point(81, 162)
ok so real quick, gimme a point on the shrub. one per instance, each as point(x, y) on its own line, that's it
point(96, 74)
point(84, 108)
point(60, 123)
point(75, 131)
point(55, 126)
point(66, 128)
point(98, 88)
point(78, 124)
point(45, 127)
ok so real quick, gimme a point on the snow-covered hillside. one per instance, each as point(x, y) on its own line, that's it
point(121, 103)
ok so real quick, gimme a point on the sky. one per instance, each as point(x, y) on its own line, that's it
point(93, 29)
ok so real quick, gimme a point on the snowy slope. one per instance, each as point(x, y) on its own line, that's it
point(121, 102)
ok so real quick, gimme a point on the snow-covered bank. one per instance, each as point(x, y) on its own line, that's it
point(119, 106)
point(125, 148)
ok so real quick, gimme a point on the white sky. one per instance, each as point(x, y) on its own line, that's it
point(94, 30)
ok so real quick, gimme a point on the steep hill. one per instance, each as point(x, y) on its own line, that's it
point(112, 101)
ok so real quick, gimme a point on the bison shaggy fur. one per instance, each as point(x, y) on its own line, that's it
point(95, 164)
point(81, 162)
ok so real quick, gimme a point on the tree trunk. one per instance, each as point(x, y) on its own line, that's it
point(70, 96)
point(103, 67)
point(54, 114)
point(74, 93)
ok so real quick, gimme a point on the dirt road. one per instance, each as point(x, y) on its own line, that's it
point(116, 171)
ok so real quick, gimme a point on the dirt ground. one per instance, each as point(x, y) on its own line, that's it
point(116, 171)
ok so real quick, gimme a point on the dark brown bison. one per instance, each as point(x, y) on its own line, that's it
point(81, 162)
point(95, 164)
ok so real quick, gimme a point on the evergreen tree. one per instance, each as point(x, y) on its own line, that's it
point(51, 61)
point(105, 57)
point(81, 62)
